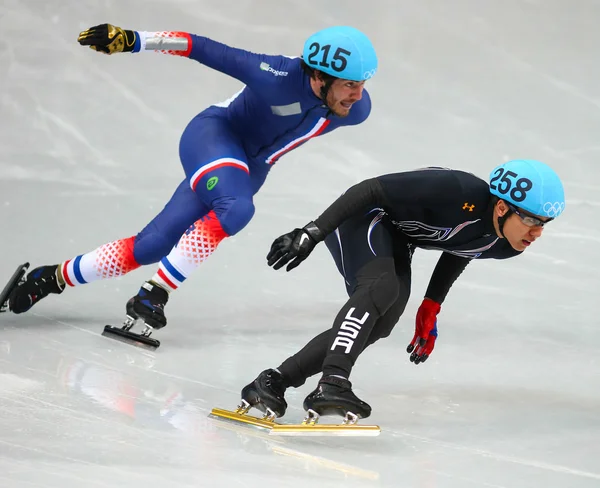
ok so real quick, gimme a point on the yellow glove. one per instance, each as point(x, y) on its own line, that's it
point(108, 39)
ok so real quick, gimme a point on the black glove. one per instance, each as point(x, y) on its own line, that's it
point(108, 39)
point(294, 247)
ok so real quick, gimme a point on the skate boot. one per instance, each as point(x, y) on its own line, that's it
point(334, 396)
point(40, 282)
point(149, 305)
point(266, 394)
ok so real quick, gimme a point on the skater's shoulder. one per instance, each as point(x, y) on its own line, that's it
point(457, 180)
point(280, 68)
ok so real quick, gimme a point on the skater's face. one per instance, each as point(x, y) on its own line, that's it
point(343, 94)
point(521, 228)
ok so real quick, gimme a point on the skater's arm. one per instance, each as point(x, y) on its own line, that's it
point(400, 194)
point(368, 193)
point(259, 70)
point(243, 65)
point(447, 270)
point(405, 195)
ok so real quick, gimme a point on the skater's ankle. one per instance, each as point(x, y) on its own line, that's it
point(336, 371)
point(154, 283)
point(336, 380)
point(286, 381)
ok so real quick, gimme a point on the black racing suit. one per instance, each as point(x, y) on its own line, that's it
point(372, 231)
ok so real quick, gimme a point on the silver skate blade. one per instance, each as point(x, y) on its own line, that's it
point(353, 430)
point(132, 338)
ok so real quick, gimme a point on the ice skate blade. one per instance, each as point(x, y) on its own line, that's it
point(221, 414)
point(11, 285)
point(130, 337)
point(325, 430)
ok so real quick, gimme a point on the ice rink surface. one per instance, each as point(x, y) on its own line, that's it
point(89, 153)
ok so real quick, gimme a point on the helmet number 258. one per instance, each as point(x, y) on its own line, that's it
point(339, 62)
point(518, 189)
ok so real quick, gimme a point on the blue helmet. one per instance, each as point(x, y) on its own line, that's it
point(530, 185)
point(343, 52)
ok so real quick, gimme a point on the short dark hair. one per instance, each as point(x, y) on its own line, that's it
point(317, 73)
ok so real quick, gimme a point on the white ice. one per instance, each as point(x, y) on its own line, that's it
point(89, 153)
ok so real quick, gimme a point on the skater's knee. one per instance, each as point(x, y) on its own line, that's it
point(233, 213)
point(386, 323)
point(384, 292)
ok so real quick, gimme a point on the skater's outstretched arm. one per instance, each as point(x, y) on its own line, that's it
point(404, 196)
point(252, 69)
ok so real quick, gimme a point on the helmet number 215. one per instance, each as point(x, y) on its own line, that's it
point(504, 182)
point(338, 63)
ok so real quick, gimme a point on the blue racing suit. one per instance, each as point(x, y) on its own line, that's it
point(228, 149)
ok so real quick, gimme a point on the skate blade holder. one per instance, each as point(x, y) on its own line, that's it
point(17, 277)
point(124, 334)
point(240, 416)
point(310, 427)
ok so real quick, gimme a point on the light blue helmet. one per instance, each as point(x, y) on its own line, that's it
point(343, 52)
point(530, 185)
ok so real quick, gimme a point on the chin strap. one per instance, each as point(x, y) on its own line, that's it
point(325, 90)
point(502, 221)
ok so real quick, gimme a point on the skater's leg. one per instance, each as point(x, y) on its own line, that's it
point(110, 260)
point(378, 282)
point(375, 292)
point(218, 173)
point(384, 326)
point(309, 360)
point(363, 249)
point(115, 258)
point(152, 243)
point(194, 247)
point(364, 252)
point(119, 257)
point(354, 247)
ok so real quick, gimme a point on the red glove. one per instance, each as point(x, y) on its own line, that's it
point(425, 331)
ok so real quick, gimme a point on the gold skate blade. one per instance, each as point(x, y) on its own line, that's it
point(222, 414)
point(323, 429)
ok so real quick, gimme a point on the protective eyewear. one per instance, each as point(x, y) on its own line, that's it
point(528, 220)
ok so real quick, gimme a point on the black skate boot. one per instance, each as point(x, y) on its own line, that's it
point(266, 394)
point(40, 282)
point(149, 307)
point(334, 396)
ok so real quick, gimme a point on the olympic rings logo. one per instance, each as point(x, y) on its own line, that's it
point(554, 209)
point(369, 74)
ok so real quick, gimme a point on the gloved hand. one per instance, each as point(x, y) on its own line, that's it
point(294, 247)
point(108, 39)
point(426, 333)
